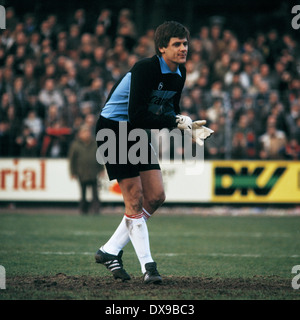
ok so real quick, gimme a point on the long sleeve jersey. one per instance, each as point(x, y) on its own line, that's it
point(147, 96)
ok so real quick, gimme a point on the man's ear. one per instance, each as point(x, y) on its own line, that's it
point(161, 50)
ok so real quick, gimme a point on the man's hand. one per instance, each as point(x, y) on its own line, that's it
point(184, 122)
point(198, 124)
point(200, 132)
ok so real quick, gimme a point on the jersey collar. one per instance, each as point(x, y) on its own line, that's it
point(165, 68)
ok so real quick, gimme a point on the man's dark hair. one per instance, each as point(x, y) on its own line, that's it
point(168, 30)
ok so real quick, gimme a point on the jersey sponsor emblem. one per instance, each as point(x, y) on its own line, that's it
point(160, 86)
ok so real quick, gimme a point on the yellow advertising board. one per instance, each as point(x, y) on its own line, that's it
point(256, 181)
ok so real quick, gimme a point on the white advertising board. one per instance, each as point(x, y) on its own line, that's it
point(49, 180)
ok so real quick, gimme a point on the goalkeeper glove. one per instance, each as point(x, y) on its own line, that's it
point(184, 122)
point(200, 132)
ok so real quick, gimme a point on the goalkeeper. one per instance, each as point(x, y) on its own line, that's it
point(147, 97)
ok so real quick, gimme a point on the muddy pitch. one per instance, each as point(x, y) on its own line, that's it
point(60, 286)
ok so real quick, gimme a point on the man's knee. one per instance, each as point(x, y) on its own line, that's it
point(156, 200)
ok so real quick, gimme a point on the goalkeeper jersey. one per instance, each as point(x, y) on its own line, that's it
point(147, 96)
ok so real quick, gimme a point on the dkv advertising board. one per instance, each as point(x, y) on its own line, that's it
point(256, 181)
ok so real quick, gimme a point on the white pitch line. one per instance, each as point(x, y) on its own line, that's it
point(166, 254)
point(80, 233)
point(247, 255)
point(62, 253)
point(217, 254)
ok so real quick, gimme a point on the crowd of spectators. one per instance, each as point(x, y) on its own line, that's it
point(55, 77)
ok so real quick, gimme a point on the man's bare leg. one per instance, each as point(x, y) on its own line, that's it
point(153, 197)
point(145, 190)
point(153, 190)
point(132, 192)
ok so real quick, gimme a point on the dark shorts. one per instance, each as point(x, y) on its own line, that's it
point(115, 169)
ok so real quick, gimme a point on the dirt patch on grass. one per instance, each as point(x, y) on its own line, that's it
point(62, 286)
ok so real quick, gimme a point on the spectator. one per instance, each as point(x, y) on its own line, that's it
point(94, 94)
point(188, 107)
point(264, 71)
point(243, 140)
point(234, 69)
point(261, 45)
point(85, 57)
point(86, 107)
point(145, 46)
point(278, 112)
point(73, 39)
point(218, 44)
point(126, 28)
point(215, 111)
point(206, 41)
point(196, 94)
point(31, 83)
point(272, 143)
point(85, 168)
point(90, 122)
point(292, 150)
point(50, 95)
point(79, 19)
point(4, 138)
point(11, 19)
point(233, 48)
point(255, 128)
point(86, 47)
point(297, 130)
point(46, 33)
point(292, 118)
point(221, 67)
point(29, 24)
point(274, 45)
point(56, 140)
point(294, 91)
point(99, 58)
point(4, 104)
point(105, 19)
point(216, 90)
point(253, 53)
point(84, 72)
point(262, 96)
point(72, 77)
point(192, 74)
point(19, 98)
point(101, 36)
point(237, 102)
point(34, 123)
point(62, 45)
point(215, 148)
point(27, 143)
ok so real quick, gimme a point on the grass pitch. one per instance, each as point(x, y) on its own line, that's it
point(49, 257)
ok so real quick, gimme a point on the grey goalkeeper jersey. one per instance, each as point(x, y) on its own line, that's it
point(147, 96)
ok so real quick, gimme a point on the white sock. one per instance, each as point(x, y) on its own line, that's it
point(120, 237)
point(146, 214)
point(138, 233)
point(118, 240)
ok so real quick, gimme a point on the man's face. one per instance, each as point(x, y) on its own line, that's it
point(175, 53)
point(85, 135)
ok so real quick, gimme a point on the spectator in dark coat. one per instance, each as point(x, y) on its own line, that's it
point(84, 167)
